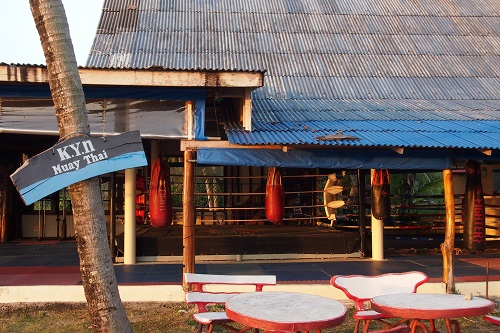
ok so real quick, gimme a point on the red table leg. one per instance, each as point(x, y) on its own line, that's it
point(416, 324)
point(450, 324)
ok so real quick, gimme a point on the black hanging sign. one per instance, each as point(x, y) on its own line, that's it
point(74, 160)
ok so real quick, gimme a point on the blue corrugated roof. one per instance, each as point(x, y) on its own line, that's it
point(391, 72)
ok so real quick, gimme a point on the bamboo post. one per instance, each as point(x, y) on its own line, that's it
point(188, 213)
point(448, 245)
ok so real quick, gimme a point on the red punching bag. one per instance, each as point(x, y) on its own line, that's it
point(160, 200)
point(473, 213)
point(381, 194)
point(140, 200)
point(275, 201)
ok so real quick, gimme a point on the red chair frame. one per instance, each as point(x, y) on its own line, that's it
point(361, 288)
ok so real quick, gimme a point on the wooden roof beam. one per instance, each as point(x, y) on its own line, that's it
point(195, 144)
point(139, 77)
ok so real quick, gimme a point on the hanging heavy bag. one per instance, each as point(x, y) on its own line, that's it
point(473, 211)
point(140, 200)
point(160, 199)
point(275, 207)
point(381, 194)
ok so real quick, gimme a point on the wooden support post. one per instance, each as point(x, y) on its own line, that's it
point(377, 234)
point(129, 232)
point(247, 110)
point(362, 212)
point(112, 215)
point(448, 246)
point(189, 120)
point(5, 206)
point(188, 213)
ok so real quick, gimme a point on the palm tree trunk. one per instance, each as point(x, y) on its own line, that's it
point(99, 281)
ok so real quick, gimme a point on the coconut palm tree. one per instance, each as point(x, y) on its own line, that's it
point(99, 281)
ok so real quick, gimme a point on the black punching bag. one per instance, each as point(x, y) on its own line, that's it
point(473, 214)
point(381, 194)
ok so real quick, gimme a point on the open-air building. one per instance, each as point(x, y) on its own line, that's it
point(326, 91)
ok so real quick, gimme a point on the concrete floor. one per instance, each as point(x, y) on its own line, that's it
point(48, 271)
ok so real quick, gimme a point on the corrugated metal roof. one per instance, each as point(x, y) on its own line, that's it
point(383, 133)
point(412, 74)
point(376, 137)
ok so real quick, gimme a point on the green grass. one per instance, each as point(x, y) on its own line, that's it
point(168, 317)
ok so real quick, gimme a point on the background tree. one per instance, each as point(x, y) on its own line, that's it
point(99, 281)
point(413, 191)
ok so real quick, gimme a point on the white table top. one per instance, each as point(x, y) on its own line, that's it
point(285, 311)
point(431, 306)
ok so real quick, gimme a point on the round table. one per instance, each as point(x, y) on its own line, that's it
point(421, 306)
point(285, 311)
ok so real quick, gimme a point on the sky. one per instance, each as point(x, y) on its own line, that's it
point(20, 43)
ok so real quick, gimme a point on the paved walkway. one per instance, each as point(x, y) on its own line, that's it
point(52, 267)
